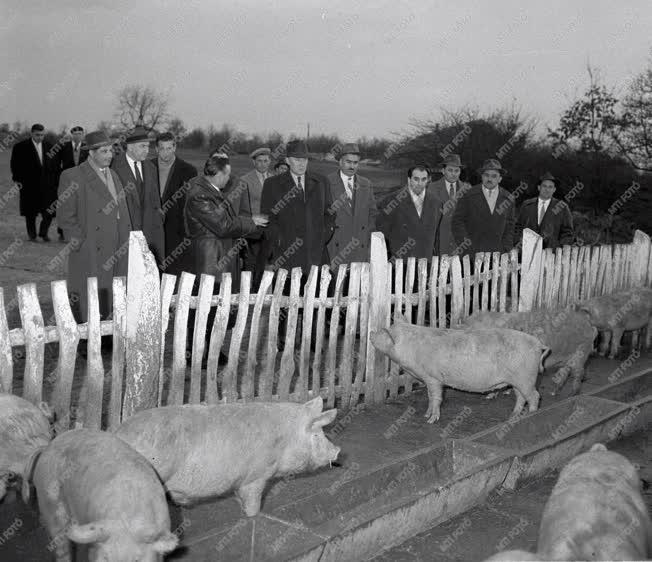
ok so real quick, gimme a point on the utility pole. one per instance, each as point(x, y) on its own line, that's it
point(308, 133)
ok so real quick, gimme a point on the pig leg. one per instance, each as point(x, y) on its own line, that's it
point(55, 519)
point(435, 388)
point(603, 346)
point(250, 496)
point(616, 336)
point(560, 379)
point(520, 402)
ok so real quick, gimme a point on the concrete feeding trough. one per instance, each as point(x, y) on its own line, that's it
point(361, 516)
point(547, 439)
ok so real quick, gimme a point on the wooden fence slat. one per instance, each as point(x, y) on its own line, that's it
point(409, 287)
point(486, 275)
point(477, 270)
point(32, 320)
point(541, 286)
point(550, 298)
point(218, 331)
point(514, 285)
point(306, 333)
point(395, 368)
point(90, 398)
point(251, 370)
point(287, 358)
point(457, 298)
point(272, 335)
point(324, 283)
point(495, 276)
point(179, 361)
point(6, 356)
point(504, 276)
point(230, 374)
point(573, 275)
point(584, 271)
point(640, 258)
point(205, 294)
point(565, 276)
point(433, 284)
point(615, 268)
point(68, 342)
point(167, 290)
point(331, 353)
point(347, 359)
point(530, 267)
point(606, 257)
point(119, 340)
point(466, 267)
point(422, 288)
point(361, 363)
point(594, 289)
point(444, 266)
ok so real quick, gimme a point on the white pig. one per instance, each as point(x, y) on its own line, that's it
point(201, 451)
point(94, 489)
point(471, 360)
point(24, 429)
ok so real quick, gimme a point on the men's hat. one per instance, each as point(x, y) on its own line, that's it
point(281, 163)
point(349, 148)
point(452, 160)
point(548, 176)
point(77, 129)
point(37, 127)
point(96, 139)
point(264, 151)
point(492, 164)
point(296, 149)
point(139, 134)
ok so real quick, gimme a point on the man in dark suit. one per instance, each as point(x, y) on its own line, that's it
point(172, 176)
point(547, 216)
point(484, 217)
point(448, 189)
point(355, 210)
point(33, 169)
point(72, 153)
point(410, 219)
point(138, 176)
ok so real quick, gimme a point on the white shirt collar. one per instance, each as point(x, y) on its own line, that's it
point(346, 178)
point(490, 192)
point(131, 161)
point(39, 144)
point(296, 182)
point(545, 202)
point(416, 197)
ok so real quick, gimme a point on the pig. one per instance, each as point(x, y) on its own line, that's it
point(567, 332)
point(94, 489)
point(595, 512)
point(24, 429)
point(617, 313)
point(472, 360)
point(201, 451)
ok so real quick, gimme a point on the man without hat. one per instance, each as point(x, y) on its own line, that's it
point(484, 217)
point(138, 176)
point(547, 216)
point(448, 189)
point(95, 218)
point(33, 169)
point(250, 188)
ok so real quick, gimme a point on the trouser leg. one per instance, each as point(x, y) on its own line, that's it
point(46, 220)
point(30, 224)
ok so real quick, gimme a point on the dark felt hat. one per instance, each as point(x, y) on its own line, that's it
point(492, 164)
point(296, 149)
point(77, 129)
point(548, 176)
point(349, 148)
point(452, 160)
point(96, 139)
point(139, 134)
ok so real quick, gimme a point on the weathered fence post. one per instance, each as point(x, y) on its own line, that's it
point(530, 268)
point(143, 328)
point(379, 305)
point(641, 258)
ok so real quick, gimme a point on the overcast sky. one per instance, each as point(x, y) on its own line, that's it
point(350, 67)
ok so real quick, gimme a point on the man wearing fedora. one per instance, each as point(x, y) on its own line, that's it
point(250, 188)
point(547, 216)
point(140, 180)
point(448, 189)
point(484, 217)
point(94, 216)
point(354, 207)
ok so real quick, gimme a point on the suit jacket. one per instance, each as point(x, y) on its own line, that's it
point(144, 203)
point(299, 226)
point(178, 256)
point(476, 229)
point(407, 234)
point(213, 226)
point(353, 223)
point(447, 243)
point(38, 181)
point(66, 156)
point(252, 191)
point(88, 215)
point(556, 228)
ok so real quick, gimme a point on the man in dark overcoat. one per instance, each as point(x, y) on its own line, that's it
point(547, 216)
point(484, 217)
point(138, 176)
point(173, 175)
point(33, 169)
point(94, 216)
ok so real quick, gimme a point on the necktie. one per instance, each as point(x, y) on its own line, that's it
point(40, 154)
point(300, 186)
point(139, 178)
point(452, 191)
point(542, 210)
point(76, 154)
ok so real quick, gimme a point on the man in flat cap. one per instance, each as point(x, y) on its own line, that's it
point(547, 216)
point(448, 189)
point(250, 188)
point(95, 218)
point(138, 176)
point(484, 217)
point(33, 169)
point(172, 176)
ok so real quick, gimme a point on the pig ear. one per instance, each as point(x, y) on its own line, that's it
point(323, 419)
point(388, 333)
point(400, 319)
point(315, 406)
point(598, 447)
point(89, 533)
point(166, 543)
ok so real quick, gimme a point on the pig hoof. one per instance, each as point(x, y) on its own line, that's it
point(433, 418)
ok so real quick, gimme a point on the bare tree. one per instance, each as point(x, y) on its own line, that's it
point(141, 106)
